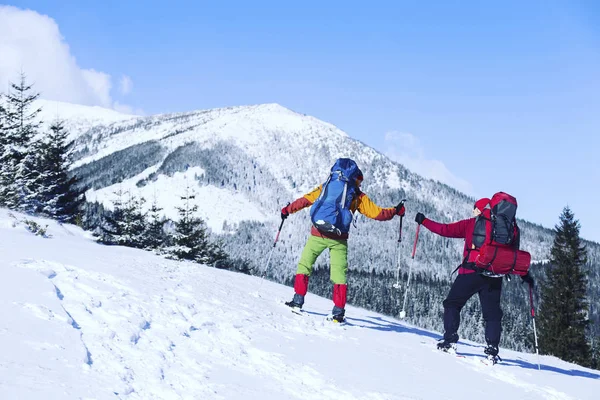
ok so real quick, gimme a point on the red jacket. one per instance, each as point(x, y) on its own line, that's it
point(461, 229)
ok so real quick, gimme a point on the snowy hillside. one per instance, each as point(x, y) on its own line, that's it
point(81, 320)
point(77, 118)
point(244, 163)
point(260, 157)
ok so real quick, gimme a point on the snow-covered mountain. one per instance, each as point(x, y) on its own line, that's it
point(82, 320)
point(248, 161)
point(244, 163)
point(77, 118)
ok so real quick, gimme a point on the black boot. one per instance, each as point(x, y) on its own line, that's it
point(492, 354)
point(447, 347)
point(297, 302)
point(338, 314)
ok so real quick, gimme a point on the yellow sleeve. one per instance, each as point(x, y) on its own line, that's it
point(313, 195)
point(304, 201)
point(371, 210)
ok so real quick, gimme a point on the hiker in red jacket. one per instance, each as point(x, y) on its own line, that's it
point(468, 282)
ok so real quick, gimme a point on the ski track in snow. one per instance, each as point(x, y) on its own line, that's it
point(91, 321)
point(173, 331)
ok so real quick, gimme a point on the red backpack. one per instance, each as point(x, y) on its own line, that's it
point(497, 236)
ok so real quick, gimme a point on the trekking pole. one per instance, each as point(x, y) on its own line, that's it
point(403, 312)
point(274, 244)
point(397, 284)
point(534, 330)
point(269, 257)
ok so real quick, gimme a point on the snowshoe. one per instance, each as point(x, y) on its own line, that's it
point(295, 307)
point(447, 347)
point(296, 303)
point(338, 319)
point(337, 315)
point(293, 304)
point(492, 355)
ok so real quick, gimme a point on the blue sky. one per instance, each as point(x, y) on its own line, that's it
point(487, 96)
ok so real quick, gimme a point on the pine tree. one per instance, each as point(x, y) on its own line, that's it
point(126, 224)
point(219, 257)
point(92, 217)
point(595, 353)
point(29, 178)
point(564, 309)
point(112, 227)
point(58, 190)
point(190, 241)
point(134, 223)
point(18, 161)
point(3, 144)
point(156, 237)
point(2, 122)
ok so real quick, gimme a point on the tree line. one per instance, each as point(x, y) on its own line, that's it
point(36, 179)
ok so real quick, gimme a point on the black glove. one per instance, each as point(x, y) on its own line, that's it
point(400, 210)
point(284, 212)
point(527, 278)
point(419, 218)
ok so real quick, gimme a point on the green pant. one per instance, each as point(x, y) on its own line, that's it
point(338, 255)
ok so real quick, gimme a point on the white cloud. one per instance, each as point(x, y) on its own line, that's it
point(100, 83)
point(125, 85)
point(125, 109)
point(406, 149)
point(32, 43)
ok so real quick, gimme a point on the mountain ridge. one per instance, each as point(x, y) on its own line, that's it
point(246, 162)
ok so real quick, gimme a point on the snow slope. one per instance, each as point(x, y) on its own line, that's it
point(77, 118)
point(215, 205)
point(81, 320)
point(92, 115)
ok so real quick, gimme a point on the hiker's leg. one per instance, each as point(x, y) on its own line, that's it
point(338, 254)
point(465, 286)
point(312, 250)
point(489, 296)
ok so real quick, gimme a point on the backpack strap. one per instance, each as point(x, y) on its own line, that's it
point(324, 188)
point(514, 263)
point(470, 265)
point(495, 254)
point(464, 263)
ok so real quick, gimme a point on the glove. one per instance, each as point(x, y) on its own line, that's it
point(419, 218)
point(400, 209)
point(527, 278)
point(284, 212)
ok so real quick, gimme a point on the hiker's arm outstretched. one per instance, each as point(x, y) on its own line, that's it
point(304, 201)
point(366, 207)
point(453, 230)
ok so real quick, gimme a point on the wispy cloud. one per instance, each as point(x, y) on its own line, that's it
point(32, 43)
point(125, 85)
point(125, 109)
point(406, 149)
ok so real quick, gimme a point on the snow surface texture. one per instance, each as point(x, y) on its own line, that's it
point(215, 205)
point(82, 320)
point(77, 118)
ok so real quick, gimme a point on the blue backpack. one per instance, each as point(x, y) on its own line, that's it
point(331, 213)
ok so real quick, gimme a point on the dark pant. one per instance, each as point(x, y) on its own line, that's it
point(465, 286)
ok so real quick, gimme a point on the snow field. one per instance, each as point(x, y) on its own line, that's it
point(81, 320)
